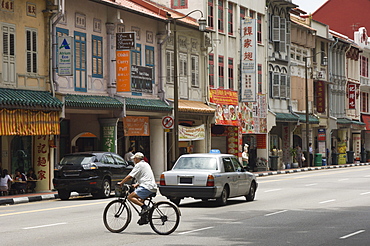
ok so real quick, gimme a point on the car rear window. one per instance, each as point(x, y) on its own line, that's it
point(74, 160)
point(203, 163)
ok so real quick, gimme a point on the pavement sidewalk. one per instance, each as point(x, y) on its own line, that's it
point(48, 195)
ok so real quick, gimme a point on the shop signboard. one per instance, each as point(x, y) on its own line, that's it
point(248, 60)
point(42, 162)
point(320, 96)
point(123, 71)
point(136, 126)
point(65, 56)
point(321, 135)
point(351, 96)
point(141, 79)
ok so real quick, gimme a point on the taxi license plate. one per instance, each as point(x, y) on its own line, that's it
point(186, 180)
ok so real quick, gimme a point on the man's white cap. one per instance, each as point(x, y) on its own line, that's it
point(138, 155)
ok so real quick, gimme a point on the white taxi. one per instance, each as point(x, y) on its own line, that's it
point(207, 176)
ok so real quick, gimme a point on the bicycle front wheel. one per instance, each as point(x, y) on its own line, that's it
point(116, 216)
point(164, 217)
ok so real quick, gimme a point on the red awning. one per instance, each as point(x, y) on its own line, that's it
point(366, 120)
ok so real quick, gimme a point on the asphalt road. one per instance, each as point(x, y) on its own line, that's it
point(326, 207)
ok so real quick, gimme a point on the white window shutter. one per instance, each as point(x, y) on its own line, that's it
point(275, 28)
point(282, 47)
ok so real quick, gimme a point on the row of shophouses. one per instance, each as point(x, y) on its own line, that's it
point(102, 75)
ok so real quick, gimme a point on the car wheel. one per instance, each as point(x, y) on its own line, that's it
point(222, 200)
point(104, 192)
point(252, 192)
point(176, 201)
point(63, 194)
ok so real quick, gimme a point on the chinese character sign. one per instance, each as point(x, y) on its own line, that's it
point(42, 162)
point(248, 60)
point(351, 96)
point(320, 96)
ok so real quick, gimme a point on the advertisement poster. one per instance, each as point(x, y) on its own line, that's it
point(253, 116)
point(227, 106)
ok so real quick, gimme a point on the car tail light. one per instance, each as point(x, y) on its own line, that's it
point(162, 181)
point(210, 180)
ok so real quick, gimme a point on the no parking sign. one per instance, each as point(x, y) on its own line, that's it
point(167, 122)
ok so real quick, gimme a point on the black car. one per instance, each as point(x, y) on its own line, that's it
point(89, 172)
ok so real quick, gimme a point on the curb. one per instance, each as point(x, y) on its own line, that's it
point(35, 198)
point(308, 169)
point(17, 200)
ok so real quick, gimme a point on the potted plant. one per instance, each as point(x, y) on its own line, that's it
point(293, 153)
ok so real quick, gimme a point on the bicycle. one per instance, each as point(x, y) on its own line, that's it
point(163, 216)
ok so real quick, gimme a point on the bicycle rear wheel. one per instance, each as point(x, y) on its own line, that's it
point(116, 216)
point(164, 217)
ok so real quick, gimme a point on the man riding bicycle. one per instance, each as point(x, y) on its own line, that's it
point(145, 185)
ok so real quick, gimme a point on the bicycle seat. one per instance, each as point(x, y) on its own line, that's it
point(152, 195)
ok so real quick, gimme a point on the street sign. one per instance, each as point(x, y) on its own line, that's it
point(125, 40)
point(167, 122)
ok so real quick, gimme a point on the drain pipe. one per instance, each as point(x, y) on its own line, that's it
point(53, 46)
point(162, 92)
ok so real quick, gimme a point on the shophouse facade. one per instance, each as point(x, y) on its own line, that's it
point(117, 96)
point(361, 39)
point(279, 77)
point(235, 87)
point(29, 112)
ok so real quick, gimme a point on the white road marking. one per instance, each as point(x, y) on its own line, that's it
point(342, 180)
point(272, 190)
point(352, 234)
point(333, 200)
point(41, 226)
point(278, 212)
point(365, 193)
point(201, 229)
point(311, 184)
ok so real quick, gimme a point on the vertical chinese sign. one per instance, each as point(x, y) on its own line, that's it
point(320, 96)
point(108, 134)
point(351, 96)
point(248, 60)
point(42, 162)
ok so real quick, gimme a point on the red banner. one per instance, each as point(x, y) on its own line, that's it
point(351, 96)
point(320, 96)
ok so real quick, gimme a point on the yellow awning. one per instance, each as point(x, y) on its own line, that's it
point(195, 107)
point(29, 122)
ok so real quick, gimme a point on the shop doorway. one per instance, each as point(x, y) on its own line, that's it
point(85, 141)
point(21, 157)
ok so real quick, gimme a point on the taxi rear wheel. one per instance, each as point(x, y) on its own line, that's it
point(252, 192)
point(222, 200)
